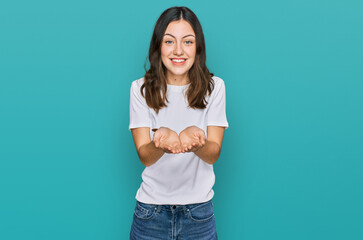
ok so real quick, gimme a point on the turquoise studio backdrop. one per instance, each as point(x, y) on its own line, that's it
point(291, 164)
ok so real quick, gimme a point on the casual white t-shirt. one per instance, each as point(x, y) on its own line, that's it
point(183, 178)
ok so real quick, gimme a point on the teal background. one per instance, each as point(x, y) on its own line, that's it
point(291, 164)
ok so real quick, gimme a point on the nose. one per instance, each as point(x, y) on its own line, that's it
point(178, 50)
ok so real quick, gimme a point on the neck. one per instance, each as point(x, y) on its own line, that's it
point(177, 79)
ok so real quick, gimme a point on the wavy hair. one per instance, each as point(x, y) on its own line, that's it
point(155, 82)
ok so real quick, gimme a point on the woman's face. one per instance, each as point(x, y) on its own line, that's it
point(178, 48)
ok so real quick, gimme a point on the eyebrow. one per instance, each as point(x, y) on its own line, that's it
point(189, 35)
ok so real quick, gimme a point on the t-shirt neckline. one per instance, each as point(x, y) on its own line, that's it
point(177, 88)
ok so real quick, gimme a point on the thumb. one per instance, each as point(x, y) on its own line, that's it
point(157, 140)
point(201, 137)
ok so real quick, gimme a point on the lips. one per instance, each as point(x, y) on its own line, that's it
point(178, 61)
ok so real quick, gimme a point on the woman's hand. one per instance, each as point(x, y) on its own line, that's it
point(167, 140)
point(191, 139)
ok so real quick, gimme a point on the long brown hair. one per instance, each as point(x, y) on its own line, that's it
point(155, 83)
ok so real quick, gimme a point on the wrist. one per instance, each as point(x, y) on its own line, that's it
point(155, 129)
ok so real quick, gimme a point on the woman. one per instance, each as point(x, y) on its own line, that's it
point(177, 119)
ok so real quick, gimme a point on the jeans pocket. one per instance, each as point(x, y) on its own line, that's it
point(202, 213)
point(145, 211)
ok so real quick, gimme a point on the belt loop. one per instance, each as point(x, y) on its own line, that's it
point(158, 208)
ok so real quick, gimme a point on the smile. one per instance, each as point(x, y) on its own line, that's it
point(178, 61)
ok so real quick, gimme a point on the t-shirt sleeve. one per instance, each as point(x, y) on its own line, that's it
point(216, 115)
point(139, 110)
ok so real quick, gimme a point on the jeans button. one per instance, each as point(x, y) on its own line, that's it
point(174, 207)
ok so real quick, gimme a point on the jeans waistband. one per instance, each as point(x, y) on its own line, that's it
point(175, 207)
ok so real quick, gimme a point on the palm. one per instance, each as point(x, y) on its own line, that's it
point(167, 140)
point(191, 139)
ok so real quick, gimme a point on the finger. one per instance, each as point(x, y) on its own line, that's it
point(178, 149)
point(175, 150)
point(156, 140)
point(202, 139)
point(195, 148)
point(157, 143)
point(184, 146)
point(201, 134)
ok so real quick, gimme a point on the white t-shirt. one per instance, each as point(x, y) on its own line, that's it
point(183, 178)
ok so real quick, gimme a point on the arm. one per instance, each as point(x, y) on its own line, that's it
point(212, 148)
point(217, 121)
point(145, 148)
point(149, 152)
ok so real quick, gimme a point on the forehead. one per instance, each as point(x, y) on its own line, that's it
point(179, 28)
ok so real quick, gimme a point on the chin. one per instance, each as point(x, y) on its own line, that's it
point(179, 73)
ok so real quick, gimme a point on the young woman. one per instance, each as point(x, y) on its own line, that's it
point(177, 119)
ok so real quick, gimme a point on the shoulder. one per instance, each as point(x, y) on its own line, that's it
point(135, 88)
point(219, 89)
point(136, 84)
point(218, 85)
point(218, 82)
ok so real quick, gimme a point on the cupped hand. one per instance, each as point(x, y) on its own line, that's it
point(167, 140)
point(191, 139)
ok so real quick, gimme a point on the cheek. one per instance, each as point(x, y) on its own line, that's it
point(191, 63)
point(165, 51)
point(192, 52)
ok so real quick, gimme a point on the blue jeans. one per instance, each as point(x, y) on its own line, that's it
point(173, 222)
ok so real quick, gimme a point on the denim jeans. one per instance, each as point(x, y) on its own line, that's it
point(173, 222)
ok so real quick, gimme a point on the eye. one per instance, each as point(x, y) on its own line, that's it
point(168, 42)
point(188, 42)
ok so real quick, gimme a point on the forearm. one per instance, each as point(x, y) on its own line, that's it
point(149, 154)
point(209, 152)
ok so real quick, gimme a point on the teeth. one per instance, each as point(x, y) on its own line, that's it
point(178, 60)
